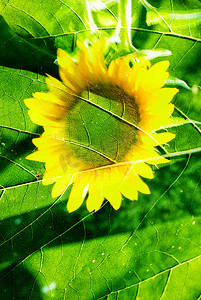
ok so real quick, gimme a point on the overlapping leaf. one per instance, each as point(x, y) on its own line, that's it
point(149, 248)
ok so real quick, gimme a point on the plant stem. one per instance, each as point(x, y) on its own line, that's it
point(125, 24)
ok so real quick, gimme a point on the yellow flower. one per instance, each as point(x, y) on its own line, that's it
point(100, 126)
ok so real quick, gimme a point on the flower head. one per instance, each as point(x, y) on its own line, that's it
point(100, 125)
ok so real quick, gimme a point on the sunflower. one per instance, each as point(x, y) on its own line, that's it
point(100, 125)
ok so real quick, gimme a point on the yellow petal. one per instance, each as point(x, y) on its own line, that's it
point(45, 154)
point(85, 66)
point(142, 187)
point(47, 108)
point(48, 179)
point(148, 155)
point(56, 133)
point(155, 159)
point(99, 67)
point(114, 197)
point(43, 120)
point(144, 170)
point(155, 119)
point(112, 70)
point(62, 183)
point(95, 198)
point(162, 97)
point(45, 142)
point(54, 170)
point(78, 193)
point(136, 80)
point(61, 92)
point(157, 122)
point(112, 181)
point(129, 190)
point(164, 137)
point(69, 72)
point(49, 97)
point(155, 77)
point(156, 139)
point(133, 183)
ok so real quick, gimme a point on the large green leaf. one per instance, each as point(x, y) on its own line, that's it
point(148, 249)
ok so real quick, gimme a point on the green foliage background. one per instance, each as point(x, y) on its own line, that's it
point(148, 249)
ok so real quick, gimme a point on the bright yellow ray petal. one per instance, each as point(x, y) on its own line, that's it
point(113, 196)
point(61, 92)
point(45, 142)
point(112, 70)
point(54, 170)
point(99, 67)
point(143, 170)
point(161, 97)
point(136, 80)
point(148, 155)
point(47, 108)
point(156, 159)
point(155, 77)
point(57, 133)
point(164, 137)
point(156, 139)
point(131, 176)
point(85, 66)
point(45, 154)
point(48, 179)
point(62, 183)
point(155, 119)
point(142, 187)
point(70, 81)
point(43, 120)
point(95, 198)
point(69, 72)
point(158, 122)
point(78, 193)
point(129, 190)
point(49, 97)
point(110, 190)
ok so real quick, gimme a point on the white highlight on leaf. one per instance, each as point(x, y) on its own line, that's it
point(91, 24)
point(46, 289)
point(151, 54)
point(173, 81)
point(195, 89)
point(99, 5)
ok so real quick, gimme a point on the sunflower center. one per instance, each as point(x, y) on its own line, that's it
point(101, 127)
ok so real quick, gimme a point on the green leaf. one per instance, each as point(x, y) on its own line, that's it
point(148, 249)
point(17, 52)
point(179, 18)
